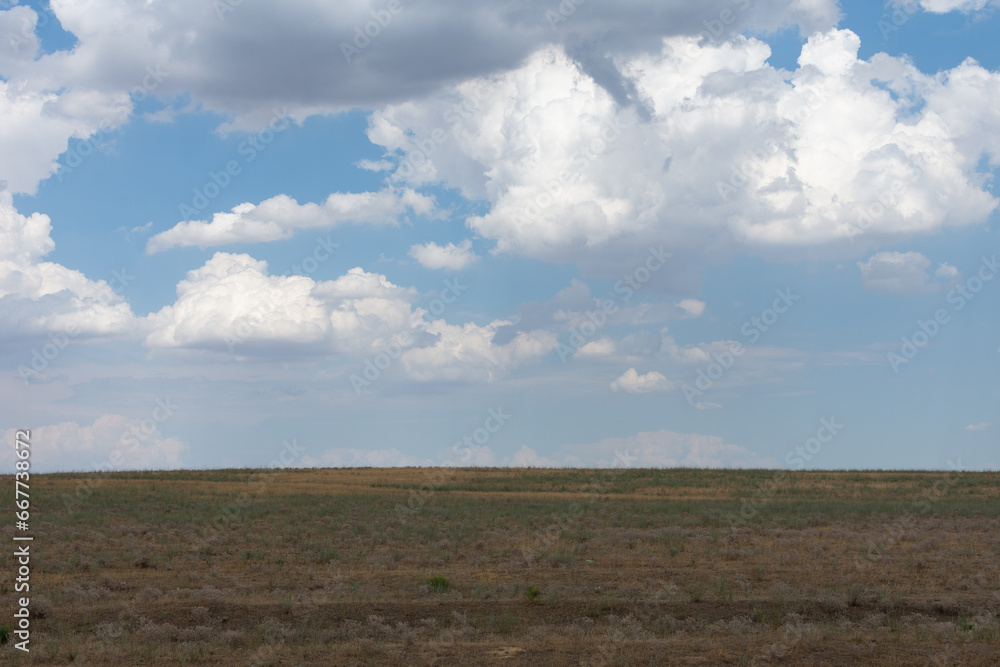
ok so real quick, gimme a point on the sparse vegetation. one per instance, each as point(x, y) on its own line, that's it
point(634, 567)
point(438, 584)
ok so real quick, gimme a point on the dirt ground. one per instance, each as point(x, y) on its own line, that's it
point(511, 567)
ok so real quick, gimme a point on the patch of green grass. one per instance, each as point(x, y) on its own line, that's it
point(531, 594)
point(438, 583)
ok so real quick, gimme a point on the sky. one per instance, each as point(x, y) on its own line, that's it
point(398, 232)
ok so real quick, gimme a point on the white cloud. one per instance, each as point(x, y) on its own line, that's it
point(467, 352)
point(707, 405)
point(693, 308)
point(526, 457)
point(664, 449)
point(38, 297)
point(597, 349)
point(375, 165)
point(281, 216)
point(215, 54)
point(818, 148)
point(964, 6)
point(37, 124)
point(232, 302)
point(451, 257)
point(946, 271)
point(631, 382)
point(978, 427)
point(23, 239)
point(461, 455)
point(232, 305)
point(897, 273)
point(112, 442)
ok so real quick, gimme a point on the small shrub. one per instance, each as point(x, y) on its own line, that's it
point(4, 634)
point(438, 583)
point(531, 593)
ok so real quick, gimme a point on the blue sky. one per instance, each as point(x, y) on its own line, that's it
point(207, 237)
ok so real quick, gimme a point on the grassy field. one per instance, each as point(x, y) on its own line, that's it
point(511, 567)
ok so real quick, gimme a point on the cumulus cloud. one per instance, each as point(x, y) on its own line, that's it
point(946, 271)
point(468, 352)
point(526, 457)
point(692, 308)
point(733, 153)
point(631, 382)
point(112, 442)
point(664, 449)
point(232, 305)
point(978, 427)
point(36, 126)
point(281, 216)
point(215, 54)
point(38, 297)
point(451, 257)
point(597, 349)
point(901, 273)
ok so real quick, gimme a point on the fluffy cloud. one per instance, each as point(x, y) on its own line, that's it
point(597, 349)
point(732, 153)
point(451, 257)
point(37, 124)
point(231, 304)
point(632, 383)
point(468, 352)
point(901, 273)
point(664, 449)
point(281, 216)
point(526, 457)
point(692, 308)
point(978, 427)
point(38, 297)
point(112, 442)
point(215, 54)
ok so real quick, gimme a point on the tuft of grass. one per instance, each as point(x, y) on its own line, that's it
point(438, 583)
point(854, 594)
point(695, 592)
point(4, 634)
point(531, 594)
point(720, 587)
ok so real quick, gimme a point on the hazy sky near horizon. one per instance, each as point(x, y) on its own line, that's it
point(644, 233)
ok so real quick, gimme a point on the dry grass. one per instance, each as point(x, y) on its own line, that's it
point(571, 567)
